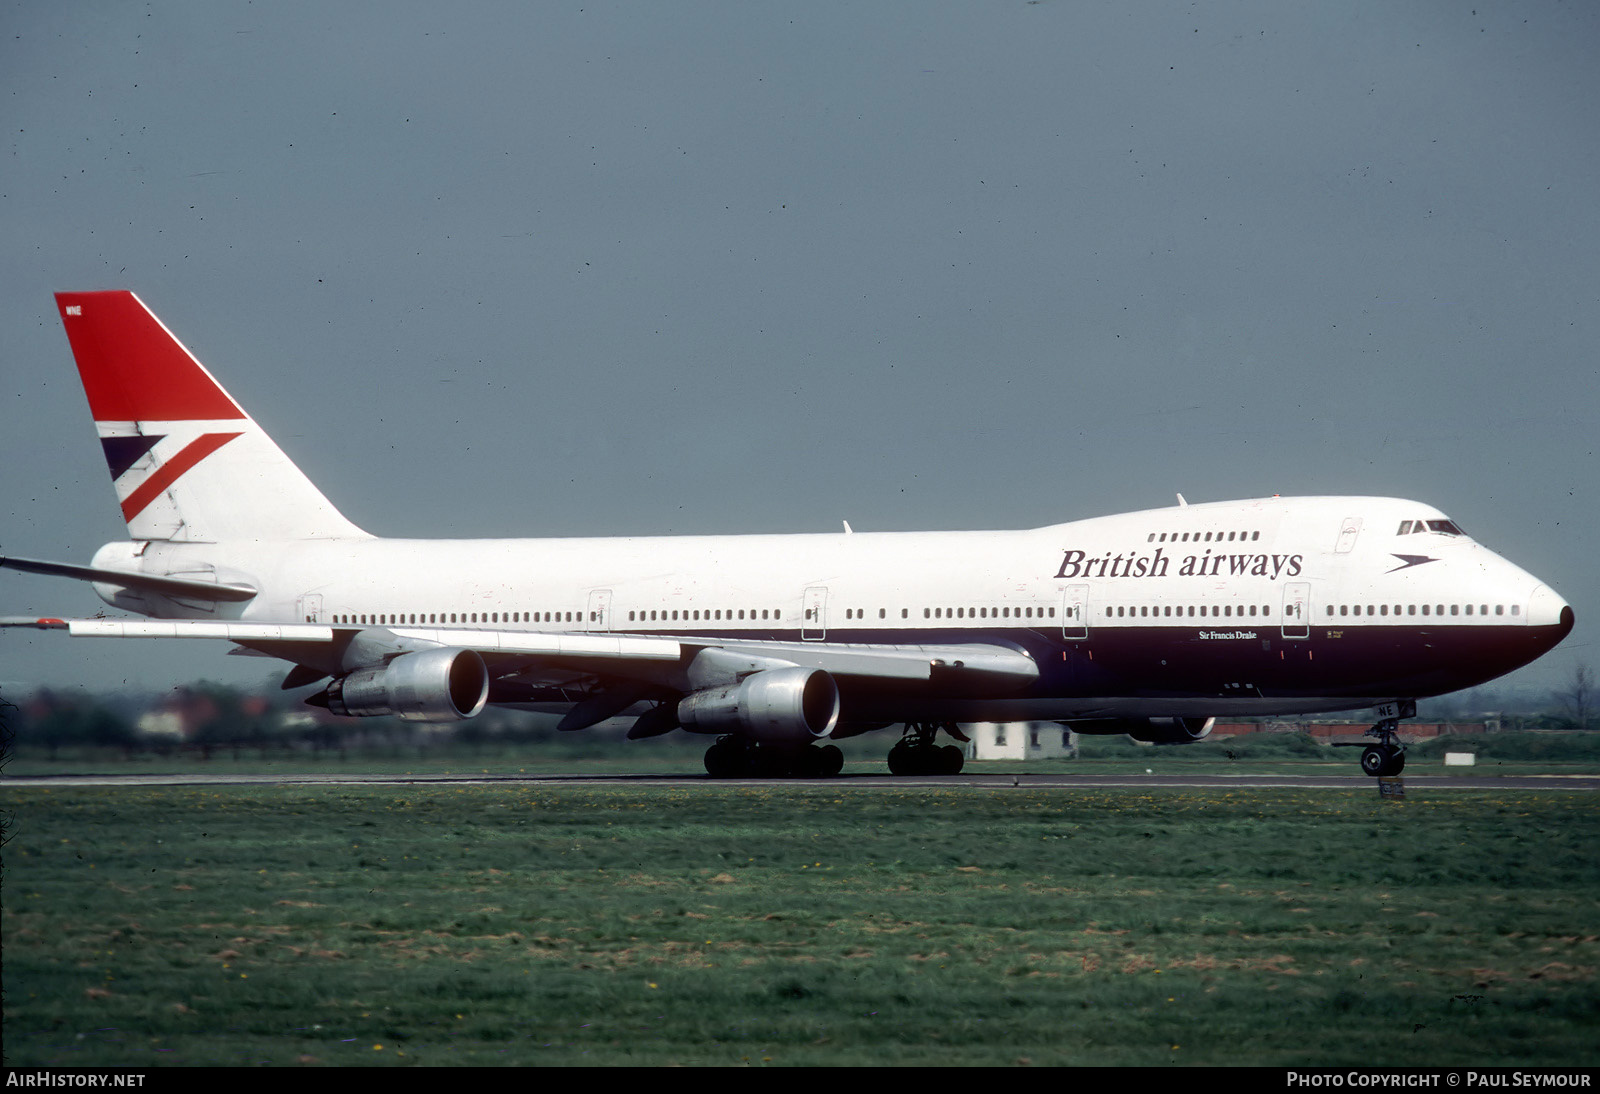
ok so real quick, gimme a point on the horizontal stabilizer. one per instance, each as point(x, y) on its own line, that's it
point(167, 586)
point(177, 628)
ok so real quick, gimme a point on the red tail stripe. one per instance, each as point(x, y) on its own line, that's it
point(133, 369)
point(169, 472)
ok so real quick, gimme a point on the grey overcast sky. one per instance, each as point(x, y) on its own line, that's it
point(598, 268)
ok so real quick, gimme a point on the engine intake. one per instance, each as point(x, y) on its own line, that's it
point(792, 705)
point(442, 685)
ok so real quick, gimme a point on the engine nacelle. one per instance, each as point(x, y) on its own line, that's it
point(1174, 731)
point(779, 706)
point(442, 685)
point(1153, 731)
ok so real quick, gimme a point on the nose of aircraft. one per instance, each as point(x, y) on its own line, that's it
point(1547, 609)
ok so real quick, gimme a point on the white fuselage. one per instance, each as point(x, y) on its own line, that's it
point(1221, 607)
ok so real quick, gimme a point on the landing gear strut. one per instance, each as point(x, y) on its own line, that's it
point(736, 758)
point(1388, 756)
point(916, 754)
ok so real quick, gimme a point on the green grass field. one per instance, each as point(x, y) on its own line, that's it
point(682, 754)
point(1512, 753)
point(733, 924)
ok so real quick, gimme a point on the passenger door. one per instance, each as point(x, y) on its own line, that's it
point(1075, 612)
point(813, 616)
point(1297, 610)
point(598, 617)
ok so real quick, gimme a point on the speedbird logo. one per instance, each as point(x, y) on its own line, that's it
point(1271, 567)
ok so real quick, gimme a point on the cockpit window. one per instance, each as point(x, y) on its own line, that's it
point(1444, 527)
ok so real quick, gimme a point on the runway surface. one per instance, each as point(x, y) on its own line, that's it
point(977, 781)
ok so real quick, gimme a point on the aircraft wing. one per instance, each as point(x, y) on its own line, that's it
point(488, 643)
point(567, 659)
point(996, 664)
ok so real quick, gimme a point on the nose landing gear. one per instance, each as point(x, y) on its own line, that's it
point(1388, 756)
point(1383, 759)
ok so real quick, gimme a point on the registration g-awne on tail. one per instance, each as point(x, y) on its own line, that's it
point(1150, 623)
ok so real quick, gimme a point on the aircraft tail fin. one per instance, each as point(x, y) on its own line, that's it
point(188, 464)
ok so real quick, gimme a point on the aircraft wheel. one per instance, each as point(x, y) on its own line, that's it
point(725, 760)
point(773, 763)
point(1375, 761)
point(951, 760)
point(829, 761)
point(1397, 763)
point(808, 763)
point(901, 759)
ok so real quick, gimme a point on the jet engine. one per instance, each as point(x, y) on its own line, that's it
point(778, 706)
point(440, 685)
point(1155, 731)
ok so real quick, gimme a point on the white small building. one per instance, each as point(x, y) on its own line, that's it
point(161, 725)
point(1019, 740)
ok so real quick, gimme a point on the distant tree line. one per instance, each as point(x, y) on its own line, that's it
point(210, 719)
point(1576, 698)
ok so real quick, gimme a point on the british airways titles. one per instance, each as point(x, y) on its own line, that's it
point(1271, 567)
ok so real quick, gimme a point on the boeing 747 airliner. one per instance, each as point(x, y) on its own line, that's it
point(1150, 624)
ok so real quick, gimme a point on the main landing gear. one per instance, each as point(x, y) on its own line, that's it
point(736, 758)
point(916, 754)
